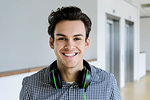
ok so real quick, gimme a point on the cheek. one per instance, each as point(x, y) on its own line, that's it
point(82, 46)
point(58, 46)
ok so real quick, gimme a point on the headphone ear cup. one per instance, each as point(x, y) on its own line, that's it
point(88, 78)
point(55, 79)
point(84, 78)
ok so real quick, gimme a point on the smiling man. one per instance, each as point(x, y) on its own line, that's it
point(69, 45)
point(70, 77)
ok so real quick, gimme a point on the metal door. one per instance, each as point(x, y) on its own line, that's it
point(113, 48)
point(129, 53)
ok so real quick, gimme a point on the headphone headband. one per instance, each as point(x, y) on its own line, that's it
point(83, 80)
point(54, 65)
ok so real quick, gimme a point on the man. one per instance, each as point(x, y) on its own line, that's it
point(70, 77)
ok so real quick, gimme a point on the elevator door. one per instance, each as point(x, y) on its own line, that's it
point(129, 54)
point(109, 47)
point(113, 48)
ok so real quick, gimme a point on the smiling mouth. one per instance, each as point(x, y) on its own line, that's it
point(69, 54)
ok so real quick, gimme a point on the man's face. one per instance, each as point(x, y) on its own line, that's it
point(69, 43)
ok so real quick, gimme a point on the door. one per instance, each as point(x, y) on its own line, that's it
point(113, 48)
point(129, 52)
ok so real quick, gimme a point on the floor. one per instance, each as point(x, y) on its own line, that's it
point(138, 90)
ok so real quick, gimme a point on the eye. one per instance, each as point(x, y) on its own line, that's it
point(61, 38)
point(77, 39)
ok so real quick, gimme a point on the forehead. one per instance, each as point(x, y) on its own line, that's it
point(70, 28)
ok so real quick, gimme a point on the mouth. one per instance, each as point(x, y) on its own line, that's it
point(69, 54)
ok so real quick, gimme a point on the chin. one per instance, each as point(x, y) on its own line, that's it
point(70, 65)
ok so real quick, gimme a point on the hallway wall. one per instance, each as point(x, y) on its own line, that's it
point(24, 39)
point(145, 39)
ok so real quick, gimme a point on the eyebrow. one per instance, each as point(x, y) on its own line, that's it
point(78, 35)
point(59, 34)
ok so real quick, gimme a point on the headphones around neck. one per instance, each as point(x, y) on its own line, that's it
point(83, 80)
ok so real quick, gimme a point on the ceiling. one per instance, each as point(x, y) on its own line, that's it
point(144, 6)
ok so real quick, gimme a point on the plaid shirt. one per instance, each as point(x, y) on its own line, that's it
point(37, 87)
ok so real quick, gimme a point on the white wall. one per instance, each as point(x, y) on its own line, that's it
point(10, 86)
point(145, 39)
point(24, 41)
point(142, 64)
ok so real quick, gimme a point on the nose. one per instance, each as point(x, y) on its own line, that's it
point(69, 44)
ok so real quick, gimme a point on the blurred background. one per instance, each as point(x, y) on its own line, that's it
point(120, 37)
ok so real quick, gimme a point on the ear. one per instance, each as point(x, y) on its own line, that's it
point(51, 43)
point(87, 43)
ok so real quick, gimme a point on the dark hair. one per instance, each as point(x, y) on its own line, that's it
point(68, 13)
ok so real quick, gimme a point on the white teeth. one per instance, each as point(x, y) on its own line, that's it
point(69, 55)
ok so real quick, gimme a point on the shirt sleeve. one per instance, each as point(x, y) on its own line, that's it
point(115, 94)
point(24, 94)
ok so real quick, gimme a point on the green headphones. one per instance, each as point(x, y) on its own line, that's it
point(83, 80)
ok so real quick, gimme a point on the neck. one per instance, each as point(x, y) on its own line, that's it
point(69, 74)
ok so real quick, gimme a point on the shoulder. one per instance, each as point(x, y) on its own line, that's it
point(35, 84)
point(40, 76)
point(100, 75)
point(104, 83)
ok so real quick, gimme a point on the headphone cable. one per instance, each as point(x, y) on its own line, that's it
point(84, 95)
